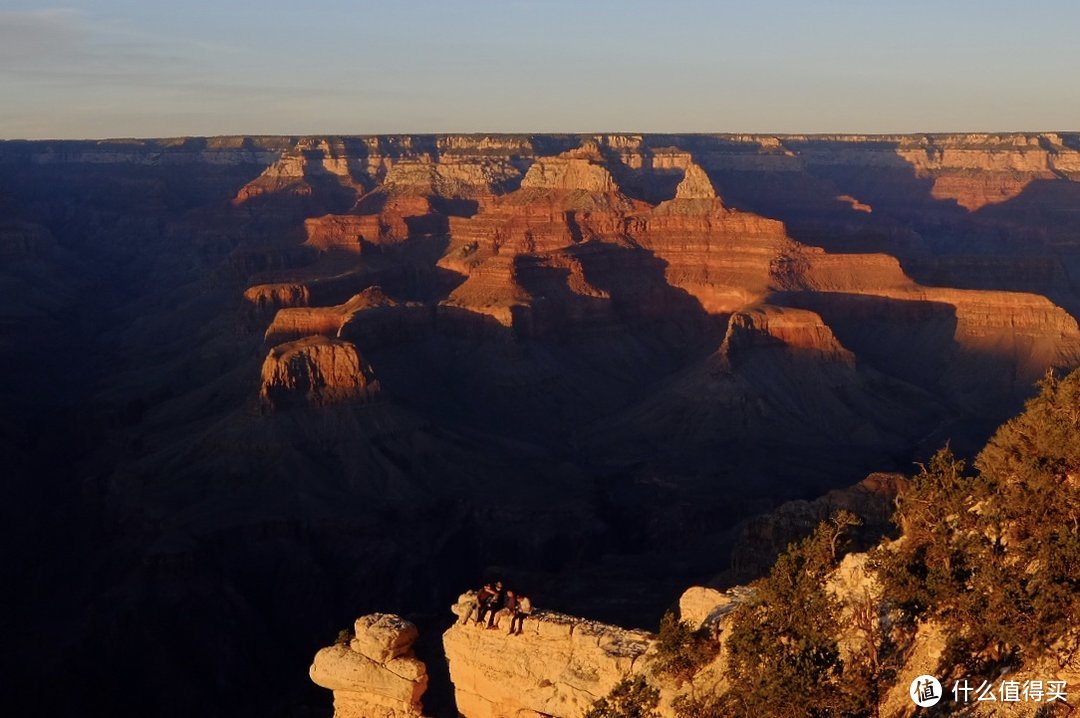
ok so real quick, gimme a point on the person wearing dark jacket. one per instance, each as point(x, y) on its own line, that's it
point(479, 601)
point(491, 604)
point(509, 605)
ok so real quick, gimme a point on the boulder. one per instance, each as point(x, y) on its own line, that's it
point(383, 636)
point(376, 675)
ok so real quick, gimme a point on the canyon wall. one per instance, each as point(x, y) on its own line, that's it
point(265, 383)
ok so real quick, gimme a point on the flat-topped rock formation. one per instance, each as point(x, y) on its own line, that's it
point(316, 371)
point(558, 666)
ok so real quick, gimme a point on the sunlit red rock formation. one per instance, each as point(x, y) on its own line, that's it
point(980, 170)
point(293, 323)
point(300, 170)
point(695, 185)
point(528, 256)
point(724, 258)
point(315, 371)
point(276, 296)
point(790, 328)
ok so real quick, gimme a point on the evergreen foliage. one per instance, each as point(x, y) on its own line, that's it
point(784, 657)
point(630, 698)
point(994, 555)
point(682, 650)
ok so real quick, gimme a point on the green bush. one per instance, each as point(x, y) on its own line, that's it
point(709, 706)
point(630, 698)
point(994, 555)
point(344, 636)
point(784, 659)
point(681, 650)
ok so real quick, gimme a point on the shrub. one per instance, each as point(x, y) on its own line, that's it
point(681, 650)
point(708, 706)
point(630, 698)
point(784, 656)
point(994, 556)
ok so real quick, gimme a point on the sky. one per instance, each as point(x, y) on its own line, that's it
point(148, 68)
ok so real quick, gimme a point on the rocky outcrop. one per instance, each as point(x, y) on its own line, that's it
point(723, 258)
point(315, 371)
point(558, 666)
point(695, 185)
point(795, 329)
point(300, 170)
point(376, 674)
point(277, 296)
point(570, 172)
point(703, 607)
point(348, 232)
point(452, 177)
point(294, 323)
point(491, 289)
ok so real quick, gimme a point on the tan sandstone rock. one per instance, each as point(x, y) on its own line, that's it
point(695, 185)
point(704, 607)
point(558, 666)
point(568, 173)
point(383, 636)
point(376, 675)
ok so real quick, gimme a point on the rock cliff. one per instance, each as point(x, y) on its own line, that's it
point(375, 674)
point(558, 666)
point(315, 371)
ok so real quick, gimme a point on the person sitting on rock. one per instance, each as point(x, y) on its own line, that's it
point(523, 609)
point(479, 601)
point(491, 604)
point(509, 606)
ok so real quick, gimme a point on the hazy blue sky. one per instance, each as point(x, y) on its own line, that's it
point(146, 68)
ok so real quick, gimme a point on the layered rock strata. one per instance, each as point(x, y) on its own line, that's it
point(376, 674)
point(316, 371)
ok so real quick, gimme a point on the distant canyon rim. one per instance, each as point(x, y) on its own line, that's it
point(256, 387)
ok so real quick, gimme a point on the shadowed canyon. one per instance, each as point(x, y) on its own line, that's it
point(255, 387)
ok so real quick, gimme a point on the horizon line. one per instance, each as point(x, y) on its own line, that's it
point(528, 133)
